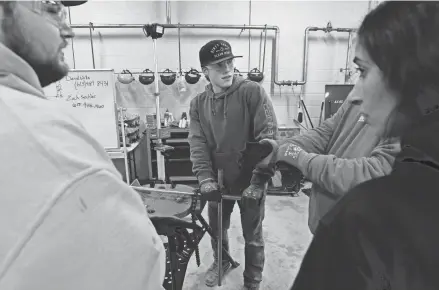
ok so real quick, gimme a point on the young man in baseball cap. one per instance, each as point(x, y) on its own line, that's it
point(229, 113)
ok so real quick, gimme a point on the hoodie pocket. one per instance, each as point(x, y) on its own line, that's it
point(230, 163)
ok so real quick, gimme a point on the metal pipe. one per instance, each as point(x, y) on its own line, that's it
point(157, 91)
point(179, 52)
point(183, 72)
point(190, 194)
point(260, 50)
point(263, 58)
point(73, 47)
point(91, 43)
point(346, 74)
point(274, 61)
point(305, 55)
point(210, 26)
point(220, 228)
point(124, 144)
point(306, 51)
point(161, 175)
point(185, 26)
point(168, 11)
point(275, 52)
point(249, 32)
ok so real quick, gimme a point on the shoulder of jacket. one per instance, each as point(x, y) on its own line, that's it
point(359, 200)
point(248, 84)
point(197, 98)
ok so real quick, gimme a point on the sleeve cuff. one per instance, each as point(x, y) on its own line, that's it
point(205, 175)
point(259, 179)
point(303, 161)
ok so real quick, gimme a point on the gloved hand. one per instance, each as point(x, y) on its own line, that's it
point(269, 162)
point(287, 154)
point(252, 195)
point(208, 186)
point(210, 190)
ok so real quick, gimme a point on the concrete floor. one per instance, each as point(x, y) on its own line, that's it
point(286, 240)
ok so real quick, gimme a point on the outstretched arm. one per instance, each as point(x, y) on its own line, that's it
point(316, 140)
point(339, 175)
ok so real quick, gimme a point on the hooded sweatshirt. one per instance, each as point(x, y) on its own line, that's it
point(68, 220)
point(340, 154)
point(221, 125)
point(383, 234)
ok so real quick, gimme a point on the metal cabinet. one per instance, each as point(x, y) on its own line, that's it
point(335, 95)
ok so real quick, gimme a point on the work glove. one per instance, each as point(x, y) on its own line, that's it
point(210, 190)
point(252, 195)
point(270, 160)
point(284, 155)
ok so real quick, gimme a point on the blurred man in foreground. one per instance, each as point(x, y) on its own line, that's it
point(68, 220)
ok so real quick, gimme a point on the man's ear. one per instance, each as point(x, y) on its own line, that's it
point(205, 72)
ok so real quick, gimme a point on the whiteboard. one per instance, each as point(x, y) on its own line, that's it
point(90, 97)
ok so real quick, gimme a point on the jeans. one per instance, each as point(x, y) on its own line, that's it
point(251, 222)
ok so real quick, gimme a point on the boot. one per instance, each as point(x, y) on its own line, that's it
point(212, 273)
point(250, 287)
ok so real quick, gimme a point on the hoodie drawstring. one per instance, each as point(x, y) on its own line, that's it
point(212, 104)
point(225, 107)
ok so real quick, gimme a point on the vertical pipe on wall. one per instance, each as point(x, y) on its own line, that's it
point(160, 161)
point(260, 50)
point(179, 50)
point(274, 60)
point(265, 45)
point(73, 47)
point(249, 32)
point(168, 12)
point(156, 86)
point(91, 43)
point(346, 72)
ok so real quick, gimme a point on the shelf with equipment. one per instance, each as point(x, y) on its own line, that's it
point(138, 163)
point(178, 166)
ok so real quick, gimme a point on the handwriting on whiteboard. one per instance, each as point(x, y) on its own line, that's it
point(83, 81)
point(88, 95)
point(80, 82)
point(87, 105)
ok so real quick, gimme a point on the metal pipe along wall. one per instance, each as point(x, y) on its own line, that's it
point(275, 51)
point(306, 50)
point(206, 26)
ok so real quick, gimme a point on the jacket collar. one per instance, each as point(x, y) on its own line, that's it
point(420, 143)
point(17, 74)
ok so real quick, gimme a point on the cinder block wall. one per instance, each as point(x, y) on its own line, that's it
point(129, 48)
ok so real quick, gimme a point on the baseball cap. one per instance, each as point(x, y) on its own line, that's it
point(215, 51)
point(72, 3)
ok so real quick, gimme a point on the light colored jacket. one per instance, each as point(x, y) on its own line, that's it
point(342, 153)
point(68, 220)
